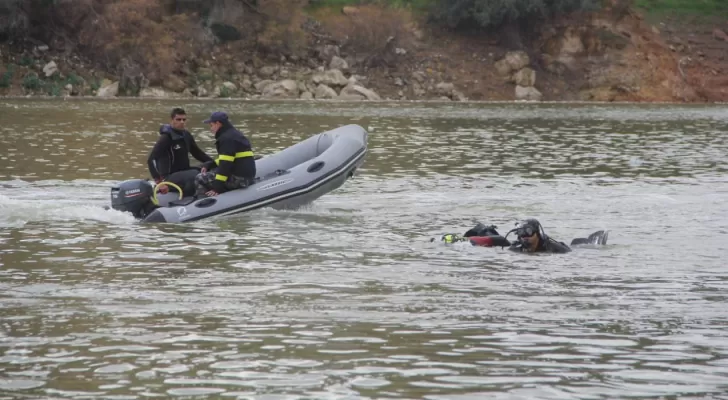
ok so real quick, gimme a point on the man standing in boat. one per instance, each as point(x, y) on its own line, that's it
point(168, 161)
point(234, 167)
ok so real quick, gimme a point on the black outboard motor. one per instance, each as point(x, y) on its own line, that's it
point(134, 196)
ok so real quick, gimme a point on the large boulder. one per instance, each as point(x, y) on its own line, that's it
point(325, 92)
point(332, 77)
point(174, 83)
point(202, 91)
point(50, 69)
point(108, 90)
point(525, 77)
point(261, 85)
point(418, 90)
point(153, 92)
point(445, 88)
point(267, 71)
point(239, 67)
point(229, 86)
point(246, 84)
point(419, 76)
point(350, 11)
point(569, 45)
point(571, 41)
point(458, 95)
point(327, 52)
point(527, 93)
point(356, 92)
point(513, 61)
point(338, 63)
point(719, 34)
point(286, 89)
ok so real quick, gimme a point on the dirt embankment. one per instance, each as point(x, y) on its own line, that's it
point(614, 55)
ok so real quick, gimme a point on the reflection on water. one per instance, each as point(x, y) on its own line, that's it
point(348, 298)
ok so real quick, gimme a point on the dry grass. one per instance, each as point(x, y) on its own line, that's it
point(282, 31)
point(373, 31)
point(138, 31)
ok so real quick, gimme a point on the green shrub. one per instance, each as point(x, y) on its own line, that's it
point(494, 13)
point(32, 81)
point(692, 7)
point(7, 77)
point(313, 4)
point(74, 79)
point(54, 88)
point(26, 61)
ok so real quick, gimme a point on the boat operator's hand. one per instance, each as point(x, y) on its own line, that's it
point(162, 189)
point(211, 193)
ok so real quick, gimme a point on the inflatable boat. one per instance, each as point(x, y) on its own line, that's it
point(289, 179)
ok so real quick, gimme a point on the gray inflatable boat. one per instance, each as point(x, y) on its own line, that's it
point(291, 178)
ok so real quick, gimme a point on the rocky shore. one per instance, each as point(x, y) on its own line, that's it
point(596, 57)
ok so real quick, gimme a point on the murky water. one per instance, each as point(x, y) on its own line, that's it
point(348, 299)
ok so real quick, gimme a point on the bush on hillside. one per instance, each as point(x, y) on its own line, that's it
point(119, 32)
point(139, 31)
point(494, 13)
point(13, 19)
point(372, 32)
point(283, 27)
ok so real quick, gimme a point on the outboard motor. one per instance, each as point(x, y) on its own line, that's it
point(134, 196)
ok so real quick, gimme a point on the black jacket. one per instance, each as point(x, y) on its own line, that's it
point(169, 154)
point(234, 157)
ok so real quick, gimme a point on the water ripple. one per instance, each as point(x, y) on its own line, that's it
point(348, 298)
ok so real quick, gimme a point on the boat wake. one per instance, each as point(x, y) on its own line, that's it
point(34, 202)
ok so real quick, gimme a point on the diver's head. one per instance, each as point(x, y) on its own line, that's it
point(529, 234)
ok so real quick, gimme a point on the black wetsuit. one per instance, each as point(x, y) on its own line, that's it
point(169, 161)
point(545, 245)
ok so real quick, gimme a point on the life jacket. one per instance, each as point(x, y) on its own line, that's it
point(231, 141)
point(179, 149)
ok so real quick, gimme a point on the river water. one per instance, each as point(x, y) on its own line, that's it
point(348, 298)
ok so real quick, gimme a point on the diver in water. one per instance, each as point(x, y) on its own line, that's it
point(530, 238)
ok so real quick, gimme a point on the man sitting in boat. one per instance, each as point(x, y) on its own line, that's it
point(234, 167)
point(169, 161)
point(530, 238)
